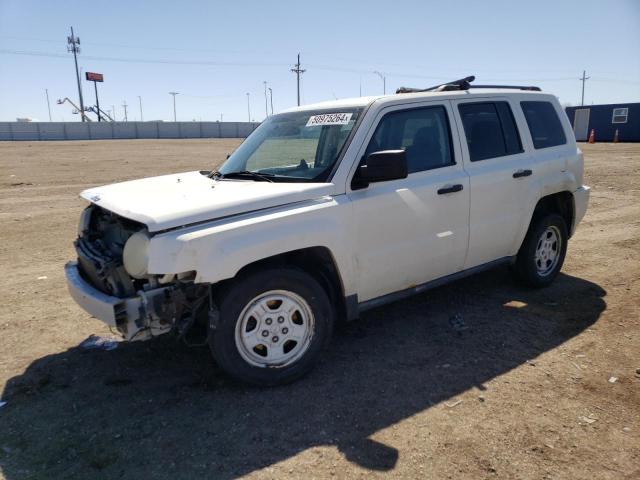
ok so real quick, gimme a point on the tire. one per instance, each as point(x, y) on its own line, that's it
point(542, 253)
point(272, 326)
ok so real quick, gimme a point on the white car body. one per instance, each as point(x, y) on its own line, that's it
point(391, 238)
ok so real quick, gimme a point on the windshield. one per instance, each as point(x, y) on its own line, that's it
point(297, 146)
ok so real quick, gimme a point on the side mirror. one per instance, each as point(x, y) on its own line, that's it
point(383, 166)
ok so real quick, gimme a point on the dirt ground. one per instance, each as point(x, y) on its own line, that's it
point(478, 379)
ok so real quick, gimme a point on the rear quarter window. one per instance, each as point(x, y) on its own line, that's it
point(544, 124)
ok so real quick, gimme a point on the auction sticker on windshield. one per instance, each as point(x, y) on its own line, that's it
point(329, 119)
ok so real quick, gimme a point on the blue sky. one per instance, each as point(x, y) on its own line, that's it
point(213, 52)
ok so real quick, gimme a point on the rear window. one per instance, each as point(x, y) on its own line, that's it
point(544, 124)
point(490, 130)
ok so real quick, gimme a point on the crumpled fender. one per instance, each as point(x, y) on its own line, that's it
point(218, 250)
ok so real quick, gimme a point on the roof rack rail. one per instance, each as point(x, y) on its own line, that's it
point(463, 84)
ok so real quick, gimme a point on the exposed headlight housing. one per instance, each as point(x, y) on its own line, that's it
point(85, 219)
point(135, 255)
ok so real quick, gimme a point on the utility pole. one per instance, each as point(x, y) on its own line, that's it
point(113, 109)
point(583, 80)
point(271, 98)
point(248, 107)
point(174, 104)
point(297, 70)
point(266, 102)
point(73, 43)
point(384, 81)
point(140, 100)
point(124, 105)
point(46, 91)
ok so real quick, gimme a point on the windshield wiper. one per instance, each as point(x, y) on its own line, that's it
point(265, 177)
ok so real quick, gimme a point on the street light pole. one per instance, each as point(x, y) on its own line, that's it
point(266, 103)
point(48, 104)
point(248, 107)
point(271, 98)
point(174, 104)
point(140, 100)
point(384, 81)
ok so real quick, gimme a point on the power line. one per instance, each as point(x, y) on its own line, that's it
point(310, 65)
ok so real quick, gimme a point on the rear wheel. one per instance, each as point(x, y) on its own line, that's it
point(542, 253)
point(272, 326)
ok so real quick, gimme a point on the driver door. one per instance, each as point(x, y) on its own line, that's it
point(416, 229)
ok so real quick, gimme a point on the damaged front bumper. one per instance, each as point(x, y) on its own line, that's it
point(139, 317)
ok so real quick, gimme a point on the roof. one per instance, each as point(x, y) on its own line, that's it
point(393, 98)
point(604, 105)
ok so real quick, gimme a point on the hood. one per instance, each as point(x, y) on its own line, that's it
point(181, 199)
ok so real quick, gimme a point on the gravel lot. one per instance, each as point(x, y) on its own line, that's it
point(478, 379)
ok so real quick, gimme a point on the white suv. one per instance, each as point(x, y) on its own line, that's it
point(328, 210)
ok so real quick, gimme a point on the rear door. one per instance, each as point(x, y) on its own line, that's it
point(500, 172)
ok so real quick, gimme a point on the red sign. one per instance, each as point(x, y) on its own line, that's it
point(94, 77)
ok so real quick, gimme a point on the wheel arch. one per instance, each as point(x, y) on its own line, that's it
point(561, 203)
point(318, 262)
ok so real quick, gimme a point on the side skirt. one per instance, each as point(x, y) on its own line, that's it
point(353, 311)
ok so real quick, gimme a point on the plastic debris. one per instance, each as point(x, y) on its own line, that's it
point(44, 277)
point(454, 404)
point(613, 379)
point(589, 420)
point(95, 342)
point(2, 404)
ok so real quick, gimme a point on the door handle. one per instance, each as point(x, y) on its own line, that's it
point(450, 189)
point(522, 173)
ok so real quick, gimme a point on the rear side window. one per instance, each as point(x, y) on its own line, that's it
point(544, 124)
point(490, 130)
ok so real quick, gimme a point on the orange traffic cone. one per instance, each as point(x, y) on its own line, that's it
point(592, 136)
point(615, 137)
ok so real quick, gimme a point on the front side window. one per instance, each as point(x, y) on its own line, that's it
point(423, 133)
point(294, 147)
point(490, 129)
point(544, 124)
point(620, 115)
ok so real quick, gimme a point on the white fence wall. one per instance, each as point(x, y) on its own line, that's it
point(122, 130)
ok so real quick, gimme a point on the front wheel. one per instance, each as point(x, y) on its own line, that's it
point(542, 253)
point(273, 325)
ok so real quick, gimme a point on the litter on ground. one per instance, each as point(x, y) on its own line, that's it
point(95, 342)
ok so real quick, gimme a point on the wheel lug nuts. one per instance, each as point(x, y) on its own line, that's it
point(275, 339)
point(265, 333)
point(280, 319)
point(285, 330)
point(268, 321)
